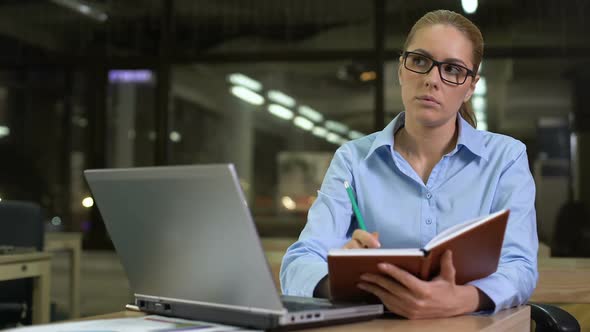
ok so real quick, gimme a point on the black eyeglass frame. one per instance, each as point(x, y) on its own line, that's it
point(437, 64)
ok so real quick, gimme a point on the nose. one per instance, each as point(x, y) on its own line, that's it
point(433, 77)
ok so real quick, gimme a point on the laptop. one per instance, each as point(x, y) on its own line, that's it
point(189, 246)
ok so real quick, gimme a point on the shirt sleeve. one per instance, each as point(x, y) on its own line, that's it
point(516, 278)
point(327, 227)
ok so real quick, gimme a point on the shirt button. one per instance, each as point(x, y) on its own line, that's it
point(428, 221)
point(428, 195)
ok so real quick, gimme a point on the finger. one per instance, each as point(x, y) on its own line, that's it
point(389, 284)
point(353, 244)
point(391, 301)
point(447, 270)
point(404, 277)
point(366, 239)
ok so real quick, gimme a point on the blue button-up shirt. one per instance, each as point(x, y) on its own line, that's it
point(484, 173)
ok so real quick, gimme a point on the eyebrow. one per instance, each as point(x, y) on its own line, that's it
point(425, 52)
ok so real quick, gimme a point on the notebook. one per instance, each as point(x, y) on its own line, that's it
point(476, 245)
point(189, 246)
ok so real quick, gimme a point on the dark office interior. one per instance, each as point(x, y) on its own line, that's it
point(88, 84)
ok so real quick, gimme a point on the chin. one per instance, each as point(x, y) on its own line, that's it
point(430, 117)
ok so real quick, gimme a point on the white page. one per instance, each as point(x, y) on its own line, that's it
point(376, 252)
point(132, 324)
point(459, 229)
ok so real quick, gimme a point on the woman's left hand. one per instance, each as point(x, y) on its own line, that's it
point(408, 296)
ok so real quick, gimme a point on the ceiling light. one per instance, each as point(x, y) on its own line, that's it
point(353, 134)
point(288, 203)
point(368, 76)
point(4, 131)
point(336, 126)
point(469, 6)
point(175, 136)
point(310, 113)
point(281, 98)
point(245, 81)
point(247, 95)
point(303, 123)
point(280, 111)
point(87, 202)
point(319, 131)
point(83, 8)
point(333, 138)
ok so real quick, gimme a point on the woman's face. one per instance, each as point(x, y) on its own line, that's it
point(428, 100)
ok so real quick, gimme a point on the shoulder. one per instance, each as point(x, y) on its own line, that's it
point(502, 148)
point(357, 149)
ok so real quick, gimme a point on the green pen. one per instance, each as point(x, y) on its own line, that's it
point(355, 206)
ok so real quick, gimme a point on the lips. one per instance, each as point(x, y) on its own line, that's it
point(428, 99)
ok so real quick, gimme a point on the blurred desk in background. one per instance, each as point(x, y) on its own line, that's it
point(72, 243)
point(36, 265)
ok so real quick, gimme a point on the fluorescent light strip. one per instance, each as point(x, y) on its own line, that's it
point(336, 126)
point(333, 138)
point(311, 114)
point(4, 131)
point(319, 131)
point(479, 103)
point(353, 134)
point(281, 98)
point(247, 95)
point(245, 81)
point(280, 111)
point(83, 8)
point(303, 123)
point(481, 88)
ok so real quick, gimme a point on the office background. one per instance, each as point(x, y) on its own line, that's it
point(273, 86)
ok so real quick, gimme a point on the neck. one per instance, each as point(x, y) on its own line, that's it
point(427, 143)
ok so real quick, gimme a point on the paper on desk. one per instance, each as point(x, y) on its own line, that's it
point(152, 323)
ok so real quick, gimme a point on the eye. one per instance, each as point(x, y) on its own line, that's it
point(419, 61)
point(453, 69)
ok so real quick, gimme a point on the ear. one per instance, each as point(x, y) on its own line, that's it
point(471, 89)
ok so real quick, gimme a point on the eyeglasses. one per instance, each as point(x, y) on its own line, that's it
point(451, 73)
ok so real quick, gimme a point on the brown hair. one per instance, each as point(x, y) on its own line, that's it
point(470, 30)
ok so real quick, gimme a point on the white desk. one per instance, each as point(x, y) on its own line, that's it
point(36, 265)
point(72, 243)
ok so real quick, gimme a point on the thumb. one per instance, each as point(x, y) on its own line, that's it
point(376, 235)
point(447, 270)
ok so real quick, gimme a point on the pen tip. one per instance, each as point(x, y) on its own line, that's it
point(346, 185)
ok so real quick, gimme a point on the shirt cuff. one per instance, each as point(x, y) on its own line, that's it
point(317, 271)
point(497, 289)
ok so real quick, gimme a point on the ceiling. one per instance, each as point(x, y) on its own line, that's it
point(530, 46)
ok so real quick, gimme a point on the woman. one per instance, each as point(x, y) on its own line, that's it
point(427, 170)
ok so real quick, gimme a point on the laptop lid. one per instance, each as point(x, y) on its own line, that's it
point(184, 232)
point(190, 248)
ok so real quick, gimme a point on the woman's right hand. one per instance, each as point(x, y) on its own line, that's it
point(362, 240)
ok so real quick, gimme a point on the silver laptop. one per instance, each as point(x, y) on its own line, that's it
point(190, 249)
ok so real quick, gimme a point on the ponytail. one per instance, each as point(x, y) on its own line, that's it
point(467, 113)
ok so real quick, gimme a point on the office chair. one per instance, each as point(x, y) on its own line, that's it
point(21, 225)
point(549, 318)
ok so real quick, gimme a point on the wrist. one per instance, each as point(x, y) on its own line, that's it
point(468, 299)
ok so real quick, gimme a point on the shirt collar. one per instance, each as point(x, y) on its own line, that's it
point(469, 137)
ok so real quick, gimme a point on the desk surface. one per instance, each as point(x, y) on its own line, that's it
point(28, 257)
point(516, 319)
